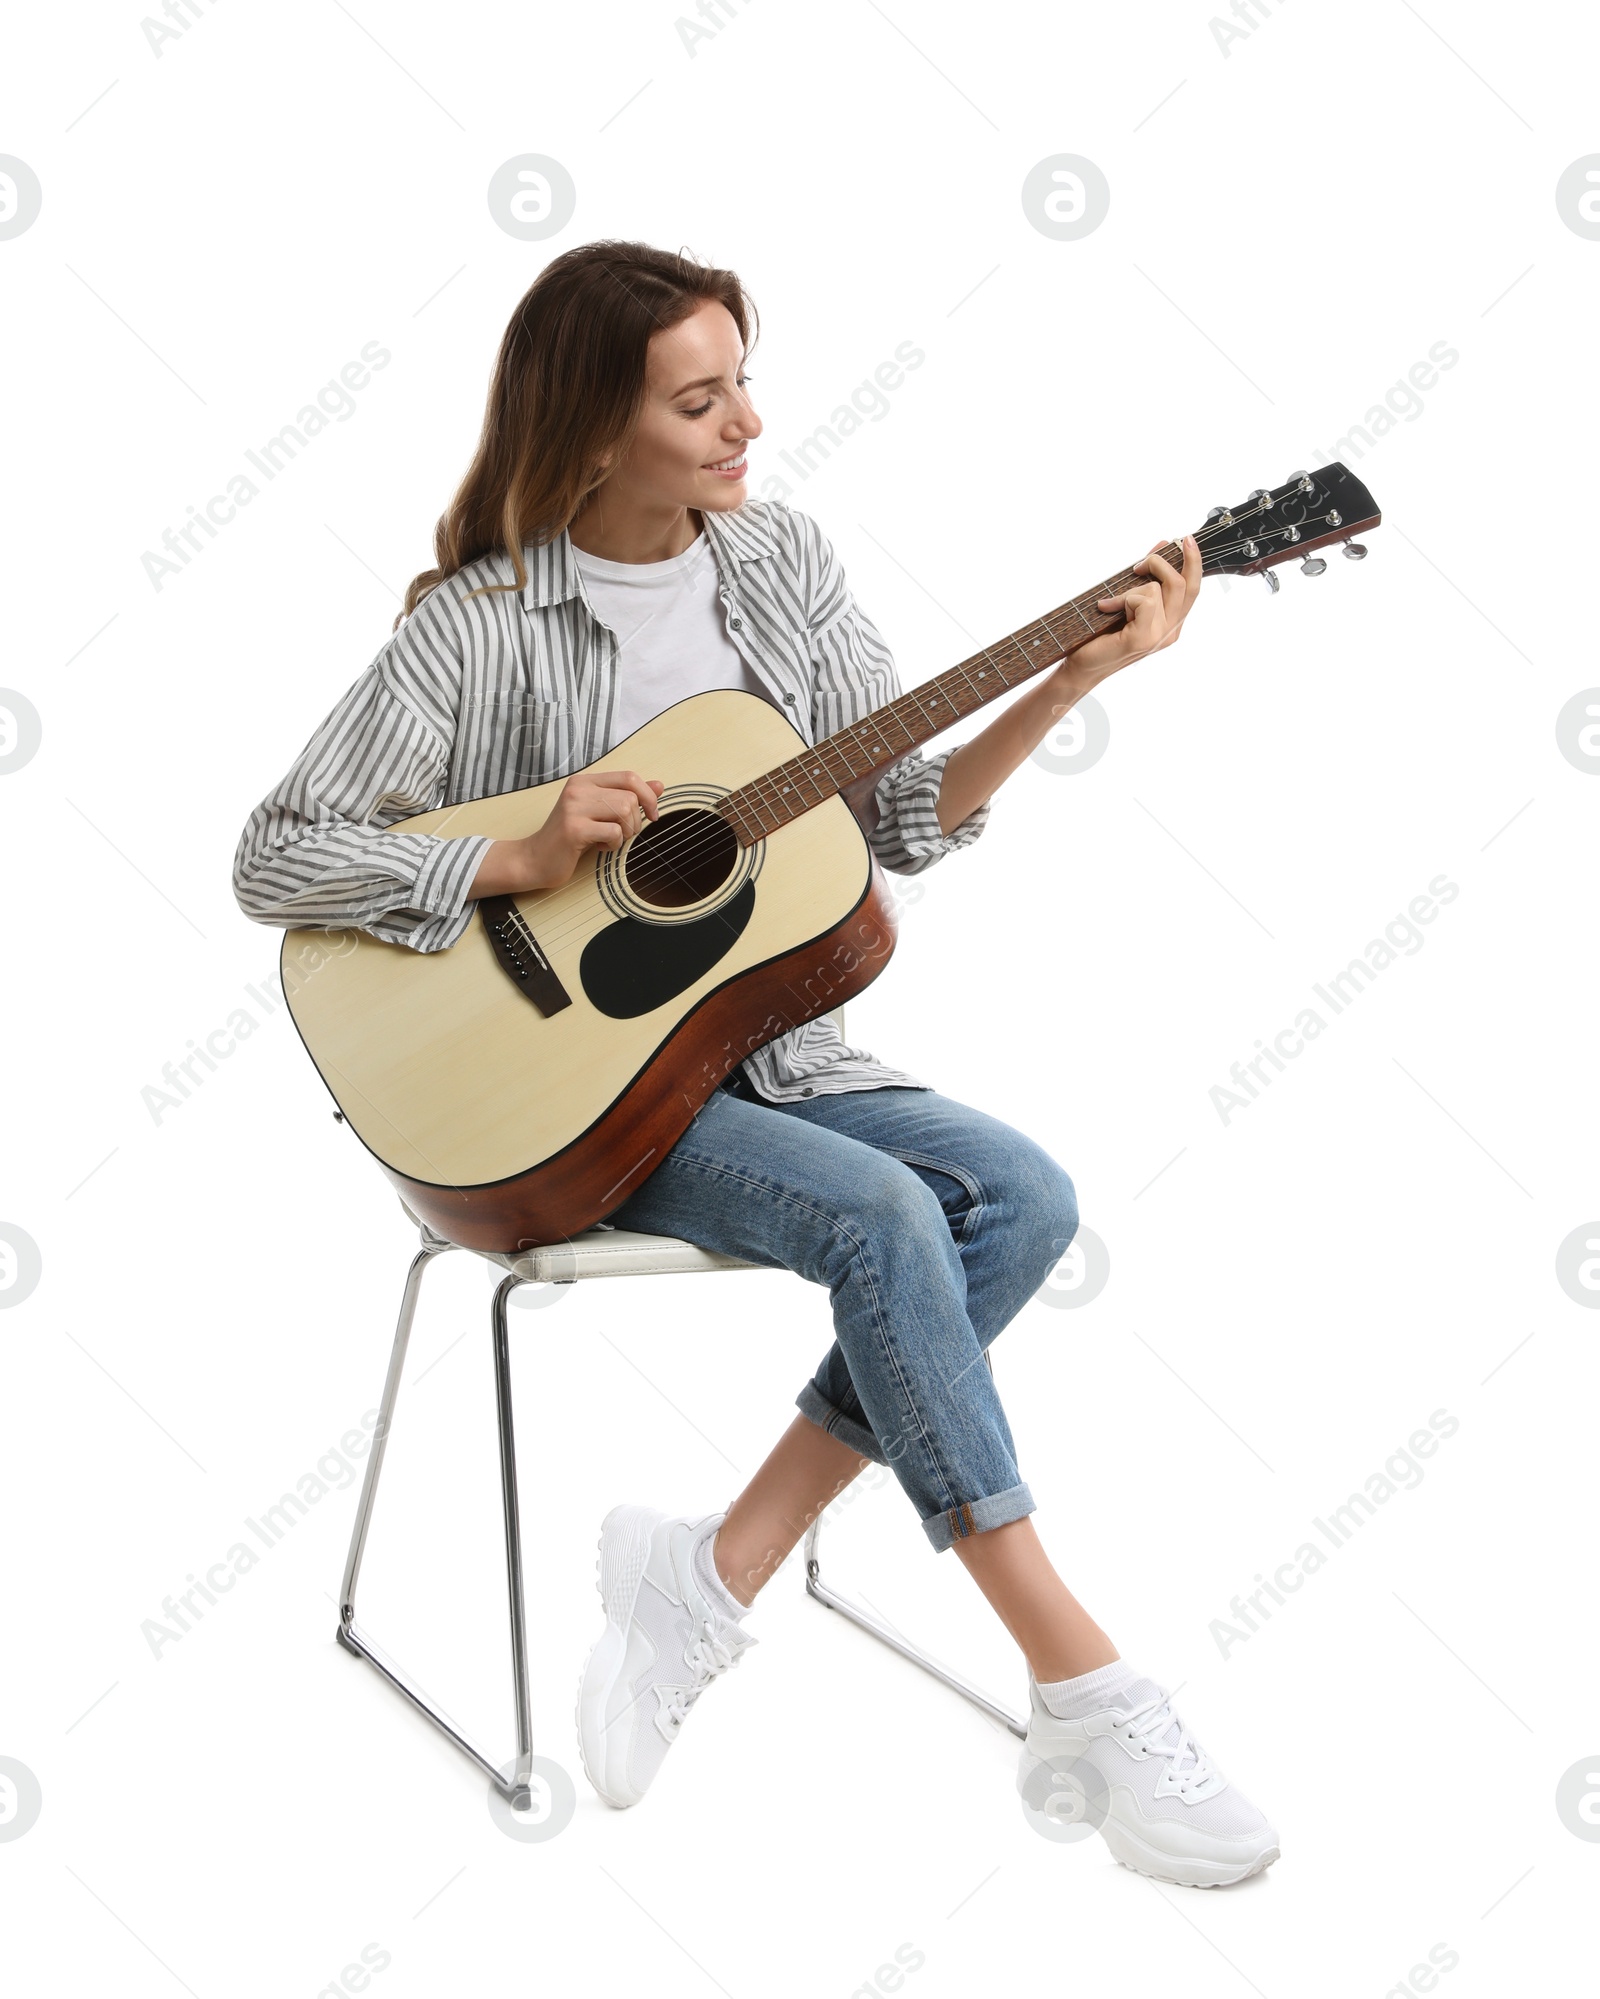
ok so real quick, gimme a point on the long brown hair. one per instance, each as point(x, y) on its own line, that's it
point(568, 385)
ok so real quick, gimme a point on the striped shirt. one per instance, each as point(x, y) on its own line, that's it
point(474, 697)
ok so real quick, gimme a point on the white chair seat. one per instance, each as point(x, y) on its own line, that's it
point(614, 1253)
point(598, 1252)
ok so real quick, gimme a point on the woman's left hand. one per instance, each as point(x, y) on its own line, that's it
point(1153, 613)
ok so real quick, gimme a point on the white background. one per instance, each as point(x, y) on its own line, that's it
point(1295, 220)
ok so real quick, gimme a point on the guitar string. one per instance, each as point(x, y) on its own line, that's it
point(672, 854)
point(693, 845)
point(765, 790)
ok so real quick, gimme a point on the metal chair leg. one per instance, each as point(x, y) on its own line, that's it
point(517, 1791)
point(355, 1640)
point(824, 1594)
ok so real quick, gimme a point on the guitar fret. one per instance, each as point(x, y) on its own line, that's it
point(810, 777)
point(977, 701)
point(861, 758)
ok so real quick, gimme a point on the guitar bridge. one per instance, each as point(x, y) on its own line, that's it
point(520, 957)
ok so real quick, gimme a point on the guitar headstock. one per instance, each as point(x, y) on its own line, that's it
point(1308, 512)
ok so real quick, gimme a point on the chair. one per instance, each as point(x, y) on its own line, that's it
point(599, 1252)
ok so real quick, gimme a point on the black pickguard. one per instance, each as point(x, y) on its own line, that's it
point(632, 967)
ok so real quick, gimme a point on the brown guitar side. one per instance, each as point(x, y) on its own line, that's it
point(598, 1171)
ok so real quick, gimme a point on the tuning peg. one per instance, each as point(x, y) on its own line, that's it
point(1218, 514)
point(1270, 578)
point(1355, 551)
point(1312, 565)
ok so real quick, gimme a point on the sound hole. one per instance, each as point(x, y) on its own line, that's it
point(681, 858)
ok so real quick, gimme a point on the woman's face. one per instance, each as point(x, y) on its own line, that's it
point(696, 418)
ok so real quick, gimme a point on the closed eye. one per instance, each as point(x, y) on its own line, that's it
point(707, 403)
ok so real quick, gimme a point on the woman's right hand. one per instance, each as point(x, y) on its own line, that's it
point(593, 809)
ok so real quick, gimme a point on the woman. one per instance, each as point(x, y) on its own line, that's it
point(600, 561)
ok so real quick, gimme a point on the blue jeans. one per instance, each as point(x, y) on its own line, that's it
point(931, 1224)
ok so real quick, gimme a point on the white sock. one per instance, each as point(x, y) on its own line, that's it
point(1071, 1700)
point(705, 1572)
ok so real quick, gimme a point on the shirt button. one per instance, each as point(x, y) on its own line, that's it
point(737, 624)
point(808, 1091)
point(790, 699)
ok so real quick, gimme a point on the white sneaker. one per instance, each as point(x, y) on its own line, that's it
point(663, 1644)
point(1134, 1773)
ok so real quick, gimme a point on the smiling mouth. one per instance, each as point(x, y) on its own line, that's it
point(727, 465)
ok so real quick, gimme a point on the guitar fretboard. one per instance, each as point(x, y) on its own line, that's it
point(883, 737)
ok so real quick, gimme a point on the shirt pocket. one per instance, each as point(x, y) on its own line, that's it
point(514, 739)
point(845, 685)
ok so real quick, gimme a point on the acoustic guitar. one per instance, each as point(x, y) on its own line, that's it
point(518, 1086)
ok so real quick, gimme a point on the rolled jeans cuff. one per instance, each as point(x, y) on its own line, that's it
point(977, 1516)
point(811, 1402)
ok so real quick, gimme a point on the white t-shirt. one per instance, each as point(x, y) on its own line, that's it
point(671, 638)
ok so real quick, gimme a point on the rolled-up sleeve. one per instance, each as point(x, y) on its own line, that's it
point(318, 849)
point(852, 662)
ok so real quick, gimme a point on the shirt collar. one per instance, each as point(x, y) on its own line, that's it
point(735, 538)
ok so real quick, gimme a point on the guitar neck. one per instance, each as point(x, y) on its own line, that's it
point(883, 737)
